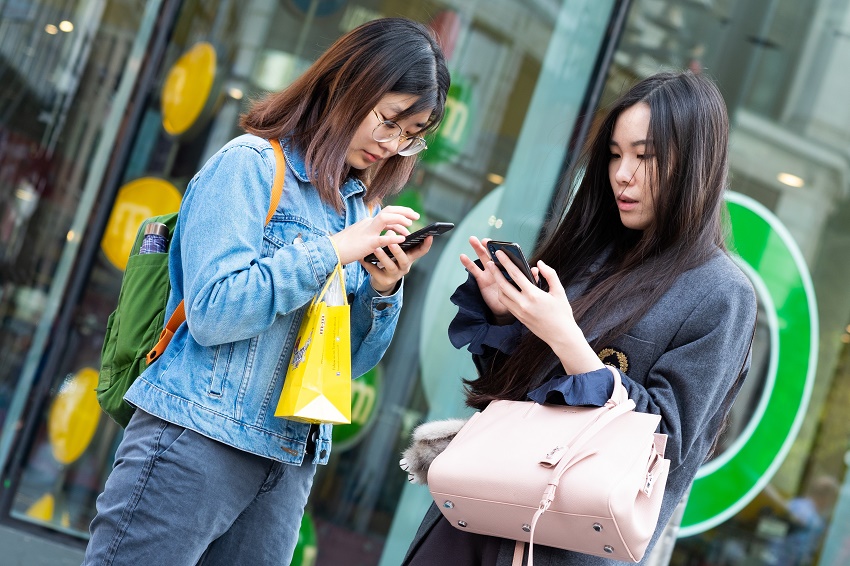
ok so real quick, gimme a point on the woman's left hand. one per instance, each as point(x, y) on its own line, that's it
point(548, 315)
point(386, 275)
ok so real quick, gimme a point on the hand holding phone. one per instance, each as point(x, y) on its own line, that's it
point(514, 253)
point(415, 239)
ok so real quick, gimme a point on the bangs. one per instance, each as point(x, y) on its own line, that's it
point(427, 101)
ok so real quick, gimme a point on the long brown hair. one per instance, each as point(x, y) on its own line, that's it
point(688, 133)
point(322, 109)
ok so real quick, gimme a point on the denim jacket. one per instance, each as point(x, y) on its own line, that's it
point(246, 287)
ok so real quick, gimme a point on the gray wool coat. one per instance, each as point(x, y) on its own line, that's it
point(682, 361)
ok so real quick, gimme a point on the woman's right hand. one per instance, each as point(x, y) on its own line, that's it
point(486, 282)
point(364, 237)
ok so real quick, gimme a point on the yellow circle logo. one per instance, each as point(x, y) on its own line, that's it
point(73, 417)
point(187, 88)
point(136, 201)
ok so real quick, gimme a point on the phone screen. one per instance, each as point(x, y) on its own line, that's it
point(514, 252)
point(415, 239)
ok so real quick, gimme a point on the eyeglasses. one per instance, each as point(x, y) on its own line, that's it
point(388, 130)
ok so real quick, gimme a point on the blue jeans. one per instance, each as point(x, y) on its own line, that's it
point(177, 497)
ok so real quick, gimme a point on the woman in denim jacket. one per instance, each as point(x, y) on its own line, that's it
point(638, 277)
point(205, 471)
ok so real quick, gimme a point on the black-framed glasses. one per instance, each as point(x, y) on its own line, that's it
point(388, 130)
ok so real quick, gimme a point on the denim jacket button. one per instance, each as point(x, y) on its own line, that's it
point(351, 297)
point(323, 453)
point(382, 306)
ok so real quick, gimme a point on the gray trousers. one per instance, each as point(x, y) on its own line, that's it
point(177, 497)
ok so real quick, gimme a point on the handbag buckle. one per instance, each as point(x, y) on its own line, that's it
point(650, 481)
point(553, 456)
point(548, 497)
point(652, 466)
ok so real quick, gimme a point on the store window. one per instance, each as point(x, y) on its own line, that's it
point(780, 65)
point(64, 78)
point(520, 74)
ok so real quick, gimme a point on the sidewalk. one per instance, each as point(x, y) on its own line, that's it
point(22, 549)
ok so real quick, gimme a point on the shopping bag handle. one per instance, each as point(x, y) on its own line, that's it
point(337, 272)
point(178, 317)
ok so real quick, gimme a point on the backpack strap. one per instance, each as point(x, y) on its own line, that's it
point(178, 317)
point(279, 176)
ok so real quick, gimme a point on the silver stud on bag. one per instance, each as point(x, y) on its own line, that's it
point(597, 527)
point(526, 527)
point(448, 504)
point(461, 523)
point(608, 548)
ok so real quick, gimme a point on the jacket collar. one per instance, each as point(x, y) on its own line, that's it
point(295, 160)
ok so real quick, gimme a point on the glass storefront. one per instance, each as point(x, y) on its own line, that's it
point(90, 145)
point(777, 63)
point(510, 117)
point(67, 71)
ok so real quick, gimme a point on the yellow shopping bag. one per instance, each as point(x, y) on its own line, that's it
point(317, 388)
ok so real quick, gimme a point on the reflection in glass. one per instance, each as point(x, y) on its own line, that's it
point(495, 57)
point(59, 68)
point(776, 62)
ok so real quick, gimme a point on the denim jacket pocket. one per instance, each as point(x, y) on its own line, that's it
point(287, 229)
point(221, 366)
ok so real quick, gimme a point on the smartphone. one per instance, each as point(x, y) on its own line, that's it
point(415, 239)
point(514, 252)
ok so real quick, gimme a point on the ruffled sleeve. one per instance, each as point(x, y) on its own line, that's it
point(591, 389)
point(471, 326)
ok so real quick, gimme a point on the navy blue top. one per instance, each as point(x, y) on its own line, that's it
point(471, 327)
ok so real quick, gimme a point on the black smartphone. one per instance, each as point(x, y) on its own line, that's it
point(514, 252)
point(415, 239)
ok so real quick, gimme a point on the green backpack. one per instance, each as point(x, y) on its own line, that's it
point(135, 335)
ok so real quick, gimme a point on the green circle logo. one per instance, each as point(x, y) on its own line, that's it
point(364, 400)
point(772, 260)
point(450, 138)
point(307, 547)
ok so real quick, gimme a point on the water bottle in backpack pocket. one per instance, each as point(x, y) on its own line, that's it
point(134, 327)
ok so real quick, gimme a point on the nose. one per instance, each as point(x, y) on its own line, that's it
point(625, 172)
point(391, 145)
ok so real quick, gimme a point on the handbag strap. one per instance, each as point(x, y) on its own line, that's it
point(614, 408)
point(178, 317)
point(619, 394)
point(519, 550)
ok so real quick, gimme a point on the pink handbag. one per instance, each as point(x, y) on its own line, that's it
point(500, 476)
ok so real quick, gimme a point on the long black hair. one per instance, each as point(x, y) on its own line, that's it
point(688, 134)
point(322, 109)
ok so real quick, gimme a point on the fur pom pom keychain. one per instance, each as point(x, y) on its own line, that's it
point(427, 442)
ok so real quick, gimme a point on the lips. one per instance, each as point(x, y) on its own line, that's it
point(371, 157)
point(625, 203)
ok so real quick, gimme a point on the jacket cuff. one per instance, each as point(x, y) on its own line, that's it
point(591, 389)
point(471, 326)
point(323, 258)
point(384, 305)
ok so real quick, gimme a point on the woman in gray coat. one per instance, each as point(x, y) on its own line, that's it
point(638, 278)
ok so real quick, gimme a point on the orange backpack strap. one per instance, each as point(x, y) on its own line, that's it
point(178, 317)
point(279, 176)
